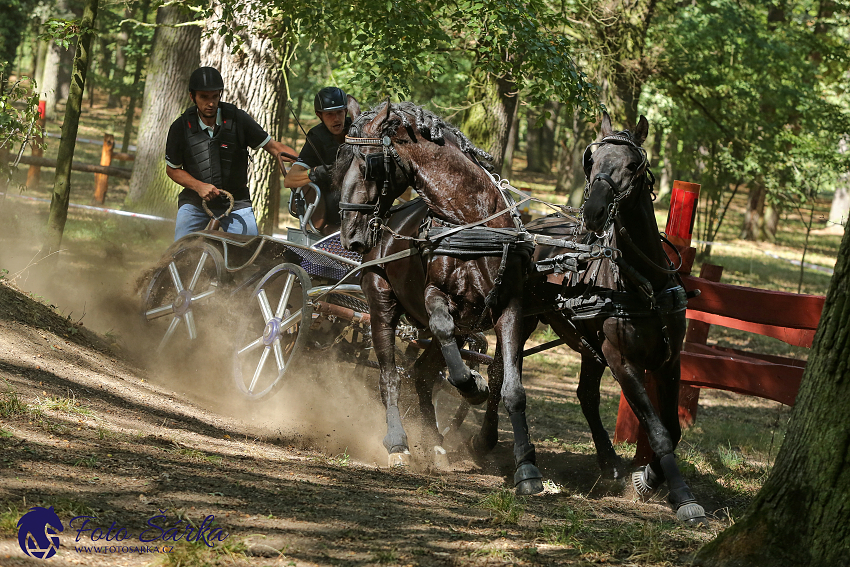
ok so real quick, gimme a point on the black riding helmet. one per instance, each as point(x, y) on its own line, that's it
point(206, 79)
point(329, 98)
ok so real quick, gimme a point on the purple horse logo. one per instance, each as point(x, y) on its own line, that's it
point(37, 532)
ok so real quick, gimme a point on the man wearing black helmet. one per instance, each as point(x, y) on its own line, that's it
point(207, 152)
point(319, 151)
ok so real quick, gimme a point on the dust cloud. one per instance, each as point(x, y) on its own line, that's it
point(94, 281)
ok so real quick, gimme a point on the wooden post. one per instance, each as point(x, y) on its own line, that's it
point(34, 172)
point(101, 180)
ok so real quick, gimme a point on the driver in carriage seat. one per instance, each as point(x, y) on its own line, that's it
point(312, 170)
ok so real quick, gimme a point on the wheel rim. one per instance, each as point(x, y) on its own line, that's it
point(273, 332)
point(191, 277)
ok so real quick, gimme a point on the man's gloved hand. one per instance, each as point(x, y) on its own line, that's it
point(321, 176)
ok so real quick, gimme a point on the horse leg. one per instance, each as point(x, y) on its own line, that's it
point(469, 383)
point(483, 442)
point(680, 497)
point(527, 478)
point(426, 373)
point(384, 322)
point(588, 396)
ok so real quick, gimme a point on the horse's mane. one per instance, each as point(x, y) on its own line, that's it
point(428, 124)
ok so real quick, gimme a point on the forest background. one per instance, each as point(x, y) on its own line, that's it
point(743, 97)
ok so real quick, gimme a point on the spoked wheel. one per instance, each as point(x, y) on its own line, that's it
point(181, 292)
point(274, 331)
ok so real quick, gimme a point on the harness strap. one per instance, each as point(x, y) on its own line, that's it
point(625, 234)
point(382, 260)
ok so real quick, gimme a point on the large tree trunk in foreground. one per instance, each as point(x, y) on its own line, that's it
point(488, 124)
point(174, 55)
point(799, 517)
point(73, 108)
point(252, 81)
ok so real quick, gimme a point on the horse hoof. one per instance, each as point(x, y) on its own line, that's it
point(692, 514)
point(642, 484)
point(528, 480)
point(401, 459)
point(479, 393)
point(441, 459)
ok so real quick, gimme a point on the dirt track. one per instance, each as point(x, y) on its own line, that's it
point(112, 441)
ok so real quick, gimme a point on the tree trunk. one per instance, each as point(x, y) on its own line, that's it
point(840, 208)
point(174, 55)
point(488, 124)
point(772, 214)
point(570, 179)
point(73, 108)
point(117, 83)
point(799, 517)
point(252, 81)
point(668, 171)
point(50, 80)
point(750, 229)
point(508, 162)
point(621, 31)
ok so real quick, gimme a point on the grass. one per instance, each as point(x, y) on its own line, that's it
point(570, 523)
point(90, 462)
point(11, 405)
point(192, 554)
point(68, 405)
point(9, 520)
point(195, 455)
point(505, 507)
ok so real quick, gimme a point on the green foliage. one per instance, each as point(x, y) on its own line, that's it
point(749, 89)
point(16, 17)
point(18, 115)
point(386, 47)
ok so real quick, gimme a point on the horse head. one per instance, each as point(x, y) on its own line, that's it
point(371, 173)
point(37, 530)
point(615, 174)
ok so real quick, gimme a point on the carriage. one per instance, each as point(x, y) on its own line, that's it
point(293, 297)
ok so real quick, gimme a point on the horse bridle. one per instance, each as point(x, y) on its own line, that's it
point(390, 158)
point(642, 176)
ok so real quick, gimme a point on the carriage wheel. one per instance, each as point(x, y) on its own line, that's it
point(274, 330)
point(180, 293)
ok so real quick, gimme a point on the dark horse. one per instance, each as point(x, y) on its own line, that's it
point(627, 313)
point(456, 283)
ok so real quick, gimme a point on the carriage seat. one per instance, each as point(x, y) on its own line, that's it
point(310, 206)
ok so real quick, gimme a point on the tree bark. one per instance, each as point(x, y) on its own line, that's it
point(117, 83)
point(840, 208)
point(174, 55)
point(73, 108)
point(751, 227)
point(252, 81)
point(488, 124)
point(799, 517)
point(570, 179)
point(621, 28)
point(50, 79)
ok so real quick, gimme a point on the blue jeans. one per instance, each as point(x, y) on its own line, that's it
point(191, 218)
